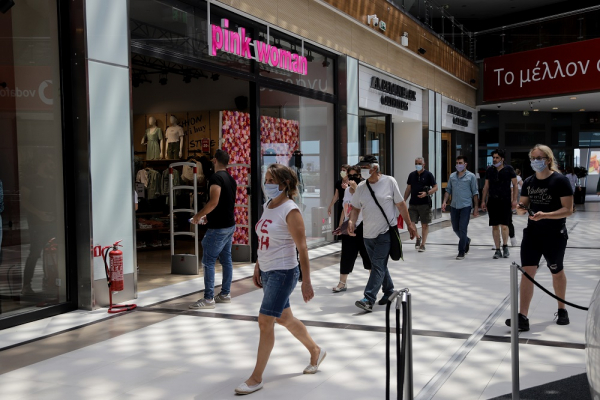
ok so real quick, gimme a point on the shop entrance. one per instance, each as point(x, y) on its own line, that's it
point(375, 137)
point(180, 114)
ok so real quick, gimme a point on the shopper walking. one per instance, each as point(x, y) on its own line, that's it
point(340, 187)
point(511, 226)
point(462, 185)
point(419, 187)
point(499, 200)
point(280, 232)
point(548, 194)
point(351, 245)
point(216, 244)
point(375, 227)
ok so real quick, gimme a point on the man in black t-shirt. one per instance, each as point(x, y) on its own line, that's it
point(547, 197)
point(419, 186)
point(499, 199)
point(216, 244)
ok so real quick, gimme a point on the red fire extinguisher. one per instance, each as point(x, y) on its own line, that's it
point(114, 276)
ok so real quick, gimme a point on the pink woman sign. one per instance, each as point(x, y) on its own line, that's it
point(239, 44)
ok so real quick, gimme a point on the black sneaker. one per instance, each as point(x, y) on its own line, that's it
point(505, 252)
point(418, 243)
point(365, 305)
point(468, 246)
point(383, 301)
point(523, 322)
point(497, 254)
point(562, 317)
point(460, 256)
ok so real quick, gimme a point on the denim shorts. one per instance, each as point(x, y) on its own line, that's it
point(278, 285)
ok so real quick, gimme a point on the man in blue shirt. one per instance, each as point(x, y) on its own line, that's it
point(462, 185)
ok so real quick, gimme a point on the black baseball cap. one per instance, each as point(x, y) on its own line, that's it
point(368, 159)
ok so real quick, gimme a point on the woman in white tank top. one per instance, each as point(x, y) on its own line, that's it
point(280, 232)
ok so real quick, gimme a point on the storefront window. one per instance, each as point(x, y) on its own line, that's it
point(32, 238)
point(374, 137)
point(298, 132)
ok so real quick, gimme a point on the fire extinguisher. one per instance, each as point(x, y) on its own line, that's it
point(114, 276)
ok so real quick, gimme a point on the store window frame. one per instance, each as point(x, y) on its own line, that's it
point(257, 82)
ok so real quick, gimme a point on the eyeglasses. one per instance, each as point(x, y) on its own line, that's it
point(538, 158)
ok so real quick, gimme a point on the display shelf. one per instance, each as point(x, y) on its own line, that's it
point(152, 229)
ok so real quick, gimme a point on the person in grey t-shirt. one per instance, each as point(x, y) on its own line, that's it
point(375, 227)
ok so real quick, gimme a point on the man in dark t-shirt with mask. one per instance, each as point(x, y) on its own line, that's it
point(216, 244)
point(499, 199)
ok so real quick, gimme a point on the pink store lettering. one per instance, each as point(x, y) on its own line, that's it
point(239, 44)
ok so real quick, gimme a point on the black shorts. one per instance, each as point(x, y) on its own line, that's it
point(499, 211)
point(550, 244)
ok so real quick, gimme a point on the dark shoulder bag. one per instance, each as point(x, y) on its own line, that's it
point(395, 241)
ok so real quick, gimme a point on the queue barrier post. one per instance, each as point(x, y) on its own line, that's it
point(514, 329)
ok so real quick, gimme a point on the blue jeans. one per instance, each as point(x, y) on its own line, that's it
point(216, 244)
point(378, 250)
point(460, 218)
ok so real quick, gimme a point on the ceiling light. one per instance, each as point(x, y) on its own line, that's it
point(402, 121)
point(326, 63)
point(214, 77)
point(573, 98)
point(535, 109)
point(310, 57)
point(555, 108)
point(582, 109)
point(514, 103)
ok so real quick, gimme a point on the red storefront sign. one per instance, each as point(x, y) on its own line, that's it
point(568, 68)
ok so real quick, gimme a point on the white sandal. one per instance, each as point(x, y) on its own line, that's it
point(338, 289)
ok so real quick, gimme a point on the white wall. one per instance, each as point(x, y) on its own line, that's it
point(408, 145)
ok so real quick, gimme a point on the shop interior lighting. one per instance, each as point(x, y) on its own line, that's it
point(214, 77)
point(573, 98)
point(162, 79)
point(555, 108)
point(310, 57)
point(422, 50)
point(536, 109)
point(582, 109)
point(326, 63)
point(6, 5)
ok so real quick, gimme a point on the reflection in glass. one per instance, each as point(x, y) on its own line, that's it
point(32, 264)
point(298, 132)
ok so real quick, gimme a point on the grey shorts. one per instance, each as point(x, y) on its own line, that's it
point(420, 212)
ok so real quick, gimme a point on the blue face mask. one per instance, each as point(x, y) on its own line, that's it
point(418, 167)
point(460, 167)
point(538, 165)
point(272, 190)
point(499, 163)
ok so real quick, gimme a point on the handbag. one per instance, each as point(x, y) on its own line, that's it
point(342, 229)
point(395, 241)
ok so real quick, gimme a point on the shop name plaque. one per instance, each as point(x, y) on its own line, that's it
point(395, 90)
point(239, 44)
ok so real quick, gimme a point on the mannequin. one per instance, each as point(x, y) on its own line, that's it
point(174, 136)
point(154, 140)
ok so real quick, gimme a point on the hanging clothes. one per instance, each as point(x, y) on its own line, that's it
point(153, 187)
point(142, 177)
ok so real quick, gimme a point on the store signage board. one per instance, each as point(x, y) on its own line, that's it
point(568, 68)
point(458, 116)
point(237, 43)
point(395, 91)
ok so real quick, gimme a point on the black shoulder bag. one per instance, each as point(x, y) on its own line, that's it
point(395, 241)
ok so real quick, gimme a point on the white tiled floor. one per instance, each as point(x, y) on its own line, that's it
point(190, 357)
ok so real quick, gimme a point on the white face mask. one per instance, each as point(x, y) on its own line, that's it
point(365, 173)
point(272, 190)
point(343, 174)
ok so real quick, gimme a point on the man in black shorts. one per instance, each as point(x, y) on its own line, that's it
point(420, 186)
point(549, 197)
point(499, 199)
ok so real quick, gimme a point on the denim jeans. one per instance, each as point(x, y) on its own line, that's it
point(278, 285)
point(216, 244)
point(378, 250)
point(460, 222)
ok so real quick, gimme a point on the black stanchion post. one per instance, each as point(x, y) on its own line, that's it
point(407, 320)
point(514, 329)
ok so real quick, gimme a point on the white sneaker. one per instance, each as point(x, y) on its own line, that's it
point(222, 298)
point(513, 242)
point(203, 304)
point(312, 369)
point(243, 388)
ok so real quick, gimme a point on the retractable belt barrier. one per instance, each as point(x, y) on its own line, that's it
point(404, 369)
point(547, 291)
